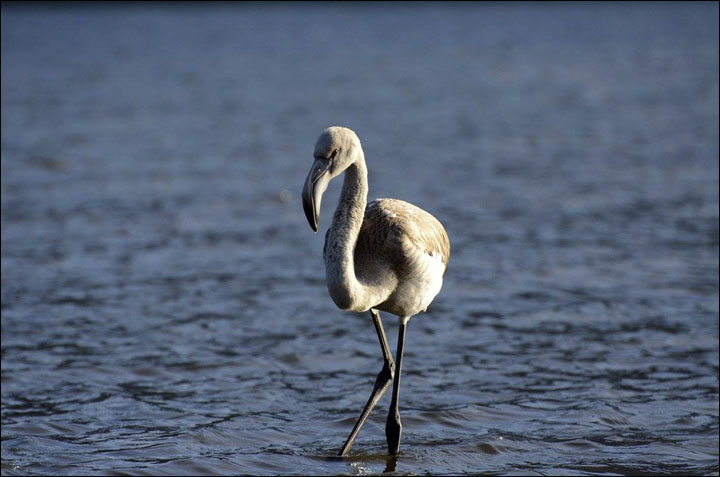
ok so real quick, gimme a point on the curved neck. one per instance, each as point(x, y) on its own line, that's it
point(345, 289)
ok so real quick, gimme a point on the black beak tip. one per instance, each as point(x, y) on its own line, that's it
point(310, 213)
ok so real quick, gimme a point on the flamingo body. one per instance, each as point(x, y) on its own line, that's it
point(403, 241)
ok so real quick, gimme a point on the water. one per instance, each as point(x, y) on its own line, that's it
point(163, 301)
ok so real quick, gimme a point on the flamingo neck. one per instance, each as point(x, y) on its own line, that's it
point(345, 289)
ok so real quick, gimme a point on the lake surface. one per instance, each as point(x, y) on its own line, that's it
point(164, 309)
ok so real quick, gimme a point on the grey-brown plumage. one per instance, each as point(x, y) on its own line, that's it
point(388, 255)
point(399, 238)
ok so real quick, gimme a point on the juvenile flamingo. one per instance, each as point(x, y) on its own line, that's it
point(387, 255)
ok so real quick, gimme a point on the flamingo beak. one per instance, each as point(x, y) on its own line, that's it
point(315, 186)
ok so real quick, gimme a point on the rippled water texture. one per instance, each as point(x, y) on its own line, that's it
point(164, 309)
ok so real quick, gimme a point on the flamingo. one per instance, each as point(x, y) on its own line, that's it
point(388, 255)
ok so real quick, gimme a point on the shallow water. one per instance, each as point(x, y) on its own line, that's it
point(163, 301)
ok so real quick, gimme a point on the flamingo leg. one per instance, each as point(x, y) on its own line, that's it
point(382, 383)
point(393, 427)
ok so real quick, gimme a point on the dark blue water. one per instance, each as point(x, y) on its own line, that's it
point(164, 309)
